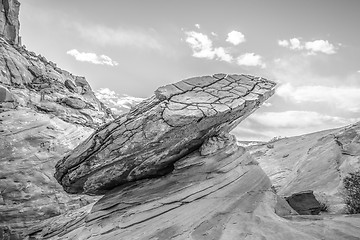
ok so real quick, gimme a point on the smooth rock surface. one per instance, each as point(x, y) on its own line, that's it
point(317, 161)
point(221, 196)
point(160, 130)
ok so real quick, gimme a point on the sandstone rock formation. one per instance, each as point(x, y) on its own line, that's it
point(224, 195)
point(156, 133)
point(9, 20)
point(44, 113)
point(304, 203)
point(317, 161)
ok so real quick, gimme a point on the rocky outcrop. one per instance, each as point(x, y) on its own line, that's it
point(33, 82)
point(9, 20)
point(304, 203)
point(317, 161)
point(44, 113)
point(162, 129)
point(223, 195)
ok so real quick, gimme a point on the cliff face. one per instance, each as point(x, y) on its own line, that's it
point(45, 112)
point(9, 20)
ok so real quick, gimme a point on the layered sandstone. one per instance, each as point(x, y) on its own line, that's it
point(148, 140)
point(45, 112)
point(317, 162)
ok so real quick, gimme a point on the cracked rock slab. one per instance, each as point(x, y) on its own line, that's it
point(157, 132)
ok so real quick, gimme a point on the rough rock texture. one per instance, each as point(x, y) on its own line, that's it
point(41, 119)
point(31, 143)
point(219, 196)
point(317, 161)
point(160, 130)
point(9, 20)
point(304, 203)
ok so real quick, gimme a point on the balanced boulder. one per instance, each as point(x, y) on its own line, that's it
point(159, 131)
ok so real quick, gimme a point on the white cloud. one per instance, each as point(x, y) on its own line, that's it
point(235, 37)
point(250, 59)
point(358, 71)
point(283, 43)
point(298, 119)
point(323, 46)
point(119, 37)
point(197, 26)
point(295, 44)
point(320, 46)
point(214, 34)
point(267, 104)
point(202, 47)
point(92, 58)
point(117, 103)
point(344, 98)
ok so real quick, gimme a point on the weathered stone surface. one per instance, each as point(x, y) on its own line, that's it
point(9, 20)
point(161, 130)
point(304, 203)
point(5, 95)
point(31, 140)
point(316, 161)
point(35, 71)
point(70, 85)
point(31, 143)
point(219, 196)
point(74, 102)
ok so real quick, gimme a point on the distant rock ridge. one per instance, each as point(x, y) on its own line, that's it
point(9, 21)
point(160, 130)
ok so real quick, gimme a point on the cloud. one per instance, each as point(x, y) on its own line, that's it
point(344, 98)
point(283, 43)
point(92, 58)
point(202, 47)
point(266, 125)
point(317, 46)
point(295, 44)
point(298, 119)
point(214, 34)
point(235, 37)
point(320, 46)
point(118, 104)
point(104, 36)
point(250, 59)
point(197, 26)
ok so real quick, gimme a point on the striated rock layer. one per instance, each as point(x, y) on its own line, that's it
point(44, 113)
point(317, 161)
point(223, 195)
point(156, 133)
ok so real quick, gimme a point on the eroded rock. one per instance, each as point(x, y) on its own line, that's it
point(304, 203)
point(161, 130)
point(9, 20)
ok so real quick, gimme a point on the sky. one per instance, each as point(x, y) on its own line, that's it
point(127, 49)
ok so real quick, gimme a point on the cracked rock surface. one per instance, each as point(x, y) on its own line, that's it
point(157, 132)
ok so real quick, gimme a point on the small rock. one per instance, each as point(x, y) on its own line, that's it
point(5, 95)
point(37, 72)
point(71, 86)
point(74, 102)
point(304, 203)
